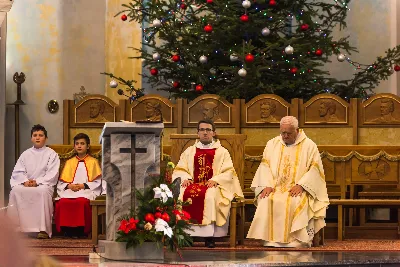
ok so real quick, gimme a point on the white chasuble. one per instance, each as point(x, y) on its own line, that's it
point(31, 208)
point(217, 200)
point(282, 220)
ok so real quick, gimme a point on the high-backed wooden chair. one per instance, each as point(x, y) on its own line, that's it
point(234, 143)
point(66, 152)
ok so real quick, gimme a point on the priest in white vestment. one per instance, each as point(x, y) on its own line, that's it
point(290, 189)
point(209, 180)
point(32, 181)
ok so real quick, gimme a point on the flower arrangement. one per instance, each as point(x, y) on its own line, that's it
point(159, 218)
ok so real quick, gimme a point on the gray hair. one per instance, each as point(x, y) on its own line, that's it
point(291, 120)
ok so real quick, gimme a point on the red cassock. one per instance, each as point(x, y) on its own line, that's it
point(73, 212)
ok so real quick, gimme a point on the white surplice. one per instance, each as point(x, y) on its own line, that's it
point(81, 177)
point(31, 208)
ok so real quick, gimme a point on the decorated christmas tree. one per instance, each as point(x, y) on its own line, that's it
point(240, 49)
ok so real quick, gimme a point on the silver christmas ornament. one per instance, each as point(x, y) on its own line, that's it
point(156, 56)
point(246, 4)
point(391, 70)
point(113, 84)
point(203, 59)
point(156, 23)
point(265, 31)
point(341, 57)
point(233, 57)
point(242, 73)
point(289, 50)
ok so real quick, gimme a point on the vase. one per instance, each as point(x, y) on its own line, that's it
point(118, 251)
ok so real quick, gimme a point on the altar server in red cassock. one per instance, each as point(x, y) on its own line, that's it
point(80, 182)
point(209, 181)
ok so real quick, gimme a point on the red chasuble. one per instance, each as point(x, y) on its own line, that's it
point(203, 160)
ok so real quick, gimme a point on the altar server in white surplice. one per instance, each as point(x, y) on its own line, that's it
point(32, 181)
point(290, 189)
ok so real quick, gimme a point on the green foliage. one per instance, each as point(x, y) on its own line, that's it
point(135, 230)
point(182, 33)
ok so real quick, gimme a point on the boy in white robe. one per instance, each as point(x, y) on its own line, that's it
point(32, 181)
point(80, 182)
point(209, 179)
point(290, 188)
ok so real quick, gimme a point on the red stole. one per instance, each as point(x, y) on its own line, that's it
point(203, 160)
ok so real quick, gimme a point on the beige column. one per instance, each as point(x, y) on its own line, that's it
point(120, 35)
point(3, 180)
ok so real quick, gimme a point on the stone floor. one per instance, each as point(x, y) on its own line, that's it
point(250, 259)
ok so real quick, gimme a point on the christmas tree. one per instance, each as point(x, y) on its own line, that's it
point(241, 49)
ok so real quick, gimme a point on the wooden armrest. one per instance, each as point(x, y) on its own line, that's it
point(97, 202)
point(365, 202)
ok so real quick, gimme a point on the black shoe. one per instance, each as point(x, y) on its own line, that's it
point(210, 243)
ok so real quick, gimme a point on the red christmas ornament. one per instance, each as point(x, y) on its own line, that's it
point(183, 6)
point(165, 217)
point(149, 217)
point(397, 68)
point(176, 84)
point(199, 87)
point(293, 70)
point(244, 18)
point(272, 3)
point(304, 27)
point(208, 28)
point(209, 1)
point(176, 58)
point(249, 58)
point(318, 52)
point(154, 72)
point(157, 215)
point(124, 17)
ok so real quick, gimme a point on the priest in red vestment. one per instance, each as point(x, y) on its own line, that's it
point(209, 182)
point(79, 183)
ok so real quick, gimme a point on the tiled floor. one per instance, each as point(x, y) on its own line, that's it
point(251, 259)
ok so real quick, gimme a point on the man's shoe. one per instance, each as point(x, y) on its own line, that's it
point(43, 235)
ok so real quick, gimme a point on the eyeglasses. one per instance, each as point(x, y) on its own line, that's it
point(208, 130)
point(286, 133)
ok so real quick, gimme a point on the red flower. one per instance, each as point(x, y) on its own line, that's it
point(123, 225)
point(186, 215)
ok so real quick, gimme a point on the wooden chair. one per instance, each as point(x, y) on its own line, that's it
point(234, 143)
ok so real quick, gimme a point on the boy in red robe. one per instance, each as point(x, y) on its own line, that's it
point(79, 182)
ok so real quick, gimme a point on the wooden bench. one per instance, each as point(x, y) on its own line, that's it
point(352, 203)
point(98, 208)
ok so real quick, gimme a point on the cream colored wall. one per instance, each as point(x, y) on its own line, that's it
point(372, 27)
point(59, 45)
point(120, 35)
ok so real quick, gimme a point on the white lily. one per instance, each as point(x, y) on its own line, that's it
point(162, 226)
point(162, 192)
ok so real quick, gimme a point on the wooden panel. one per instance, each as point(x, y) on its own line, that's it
point(264, 111)
point(380, 110)
point(210, 107)
point(152, 108)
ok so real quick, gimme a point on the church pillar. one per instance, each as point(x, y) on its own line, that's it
point(3, 35)
point(120, 35)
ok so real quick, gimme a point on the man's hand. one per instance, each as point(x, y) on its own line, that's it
point(211, 183)
point(75, 187)
point(33, 183)
point(27, 184)
point(266, 192)
point(186, 183)
point(296, 190)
